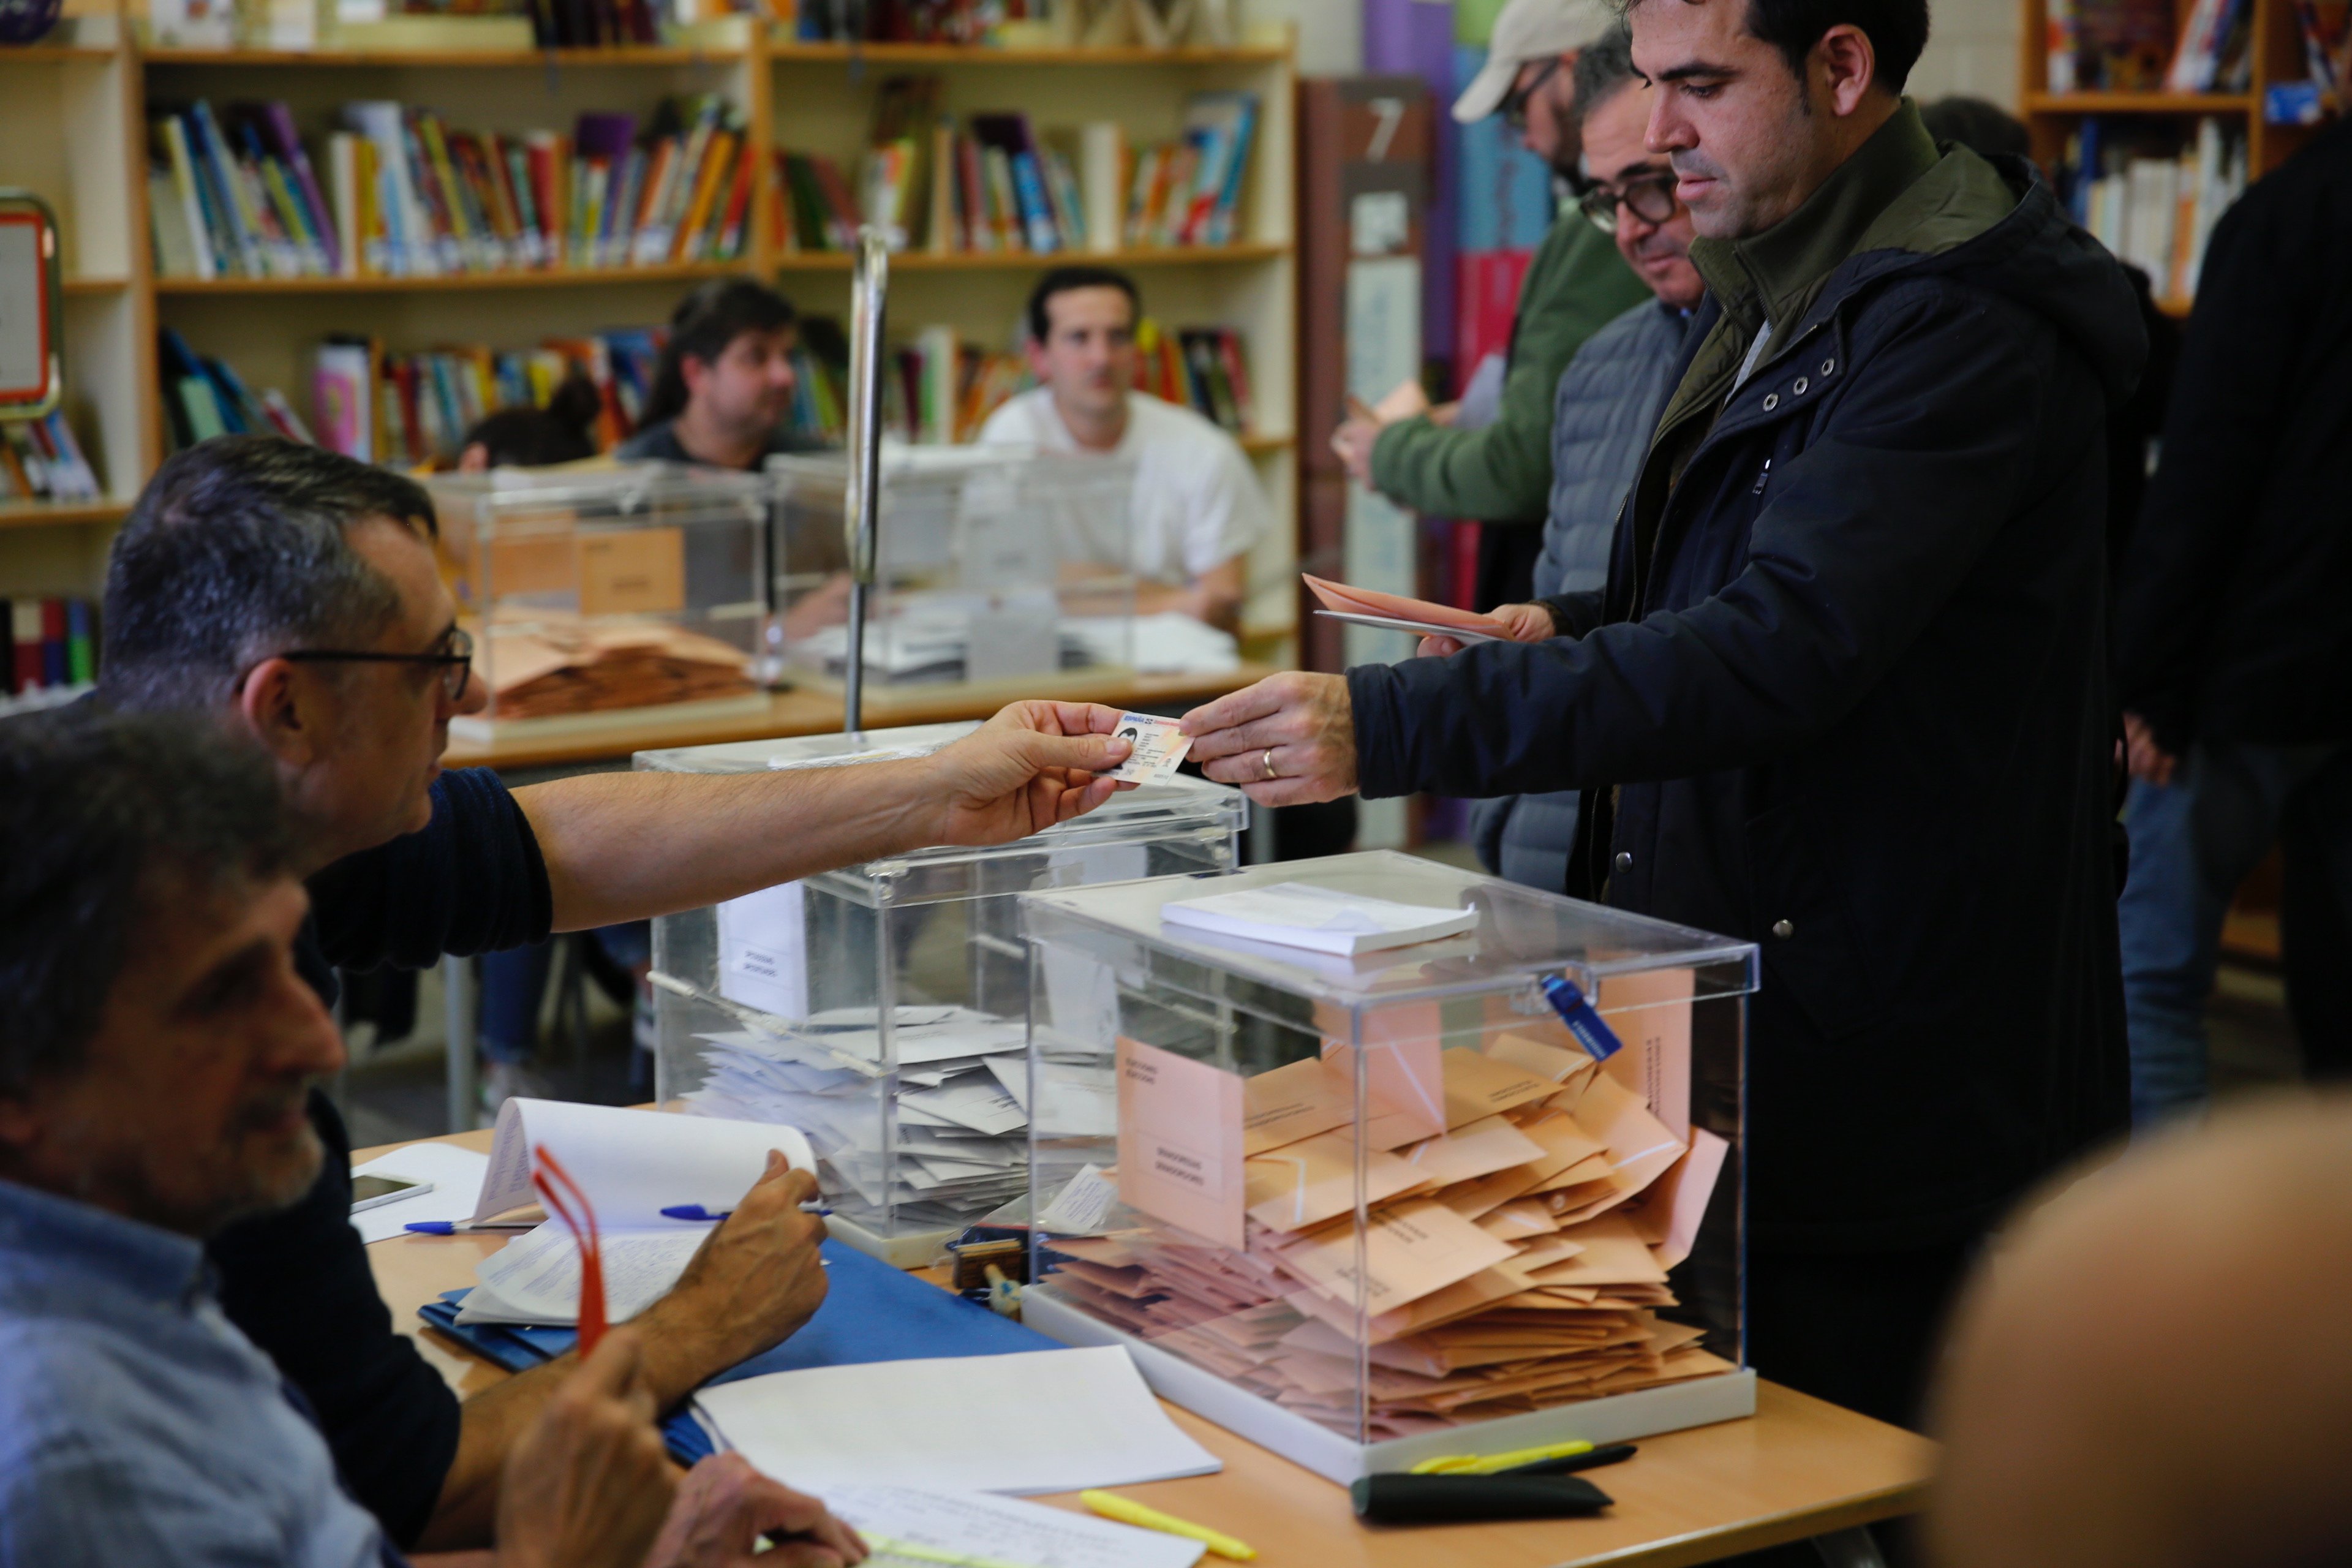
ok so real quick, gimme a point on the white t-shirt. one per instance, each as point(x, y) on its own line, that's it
point(1197, 502)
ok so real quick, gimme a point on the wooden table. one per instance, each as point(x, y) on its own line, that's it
point(1798, 1468)
point(812, 712)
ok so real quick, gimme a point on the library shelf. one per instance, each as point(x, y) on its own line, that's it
point(793, 53)
point(631, 55)
point(60, 513)
point(455, 282)
point(2138, 102)
point(73, 286)
point(998, 261)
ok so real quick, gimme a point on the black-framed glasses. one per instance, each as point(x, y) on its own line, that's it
point(456, 661)
point(1650, 197)
point(1514, 102)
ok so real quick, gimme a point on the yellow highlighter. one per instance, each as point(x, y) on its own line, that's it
point(1110, 1505)
point(1488, 1463)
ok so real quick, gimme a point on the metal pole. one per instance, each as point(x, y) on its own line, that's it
point(861, 497)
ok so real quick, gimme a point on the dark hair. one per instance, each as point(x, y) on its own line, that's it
point(112, 817)
point(704, 324)
point(1978, 126)
point(1602, 67)
point(1062, 280)
point(1897, 30)
point(534, 437)
point(235, 551)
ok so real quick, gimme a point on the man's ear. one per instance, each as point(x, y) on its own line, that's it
point(694, 372)
point(1846, 65)
point(1038, 365)
point(282, 710)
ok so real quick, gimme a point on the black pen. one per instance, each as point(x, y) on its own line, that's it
point(1608, 1454)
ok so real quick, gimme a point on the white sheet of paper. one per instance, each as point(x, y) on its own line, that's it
point(457, 1177)
point(763, 951)
point(632, 1164)
point(1039, 1421)
point(1301, 914)
point(983, 1107)
point(537, 1275)
point(1004, 1529)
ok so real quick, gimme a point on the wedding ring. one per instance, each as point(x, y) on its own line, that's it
point(1269, 764)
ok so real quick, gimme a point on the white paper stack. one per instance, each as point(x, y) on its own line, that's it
point(963, 1118)
point(1300, 914)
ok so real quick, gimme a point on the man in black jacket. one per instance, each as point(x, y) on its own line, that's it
point(1845, 693)
point(292, 593)
point(2234, 633)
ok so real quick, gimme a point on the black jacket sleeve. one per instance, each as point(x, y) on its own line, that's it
point(1867, 533)
point(471, 881)
point(2256, 306)
point(299, 1284)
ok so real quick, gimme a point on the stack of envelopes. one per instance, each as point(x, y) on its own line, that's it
point(549, 662)
point(962, 1112)
point(1517, 1261)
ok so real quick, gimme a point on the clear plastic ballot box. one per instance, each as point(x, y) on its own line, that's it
point(993, 566)
point(593, 595)
point(1368, 1210)
point(879, 1008)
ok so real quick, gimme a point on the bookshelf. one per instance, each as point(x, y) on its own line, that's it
point(2052, 118)
point(96, 82)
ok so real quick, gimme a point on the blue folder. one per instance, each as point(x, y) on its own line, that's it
point(871, 1312)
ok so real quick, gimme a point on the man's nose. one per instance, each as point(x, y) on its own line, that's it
point(1666, 132)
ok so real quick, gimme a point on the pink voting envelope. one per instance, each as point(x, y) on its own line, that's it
point(1419, 614)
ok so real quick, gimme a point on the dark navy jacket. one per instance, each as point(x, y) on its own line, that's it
point(1846, 694)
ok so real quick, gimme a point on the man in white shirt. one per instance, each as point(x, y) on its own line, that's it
point(1198, 507)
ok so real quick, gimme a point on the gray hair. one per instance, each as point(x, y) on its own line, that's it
point(1603, 66)
point(237, 550)
point(112, 818)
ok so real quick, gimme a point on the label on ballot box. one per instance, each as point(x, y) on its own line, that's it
point(763, 951)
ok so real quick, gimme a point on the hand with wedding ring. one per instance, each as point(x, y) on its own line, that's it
point(1289, 739)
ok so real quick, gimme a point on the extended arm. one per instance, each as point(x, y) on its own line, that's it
point(622, 846)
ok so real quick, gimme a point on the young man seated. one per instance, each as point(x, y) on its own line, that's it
point(155, 1068)
point(724, 385)
point(1198, 507)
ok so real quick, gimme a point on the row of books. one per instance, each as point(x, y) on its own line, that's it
point(2212, 54)
point(2112, 46)
point(2154, 207)
point(993, 184)
point(236, 194)
point(204, 398)
point(40, 460)
point(1205, 369)
point(53, 644)
point(907, 21)
point(413, 409)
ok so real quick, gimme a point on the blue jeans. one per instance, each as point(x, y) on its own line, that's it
point(515, 980)
point(2193, 842)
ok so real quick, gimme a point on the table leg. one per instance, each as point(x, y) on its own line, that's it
point(1849, 1549)
point(464, 1021)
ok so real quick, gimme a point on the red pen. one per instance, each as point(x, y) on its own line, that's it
point(582, 1227)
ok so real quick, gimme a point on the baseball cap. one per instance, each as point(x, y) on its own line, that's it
point(1530, 30)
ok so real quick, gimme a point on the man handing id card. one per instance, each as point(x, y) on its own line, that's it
point(1160, 746)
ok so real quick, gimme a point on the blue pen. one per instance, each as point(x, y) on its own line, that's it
point(1588, 1027)
point(696, 1212)
point(459, 1227)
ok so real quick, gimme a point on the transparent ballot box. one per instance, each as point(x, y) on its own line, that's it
point(593, 595)
point(879, 1008)
point(1368, 1209)
point(992, 565)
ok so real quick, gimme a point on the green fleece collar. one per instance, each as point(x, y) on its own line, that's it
point(1775, 273)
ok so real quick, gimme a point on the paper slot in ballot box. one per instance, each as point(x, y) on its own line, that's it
point(1367, 1208)
point(882, 1008)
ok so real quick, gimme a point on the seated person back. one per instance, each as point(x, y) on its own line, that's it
point(723, 388)
point(1198, 506)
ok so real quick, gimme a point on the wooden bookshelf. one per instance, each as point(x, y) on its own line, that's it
point(2277, 45)
point(73, 126)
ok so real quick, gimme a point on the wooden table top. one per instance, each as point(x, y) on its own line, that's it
point(802, 712)
point(1799, 1467)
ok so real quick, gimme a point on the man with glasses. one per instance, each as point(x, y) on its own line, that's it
point(1602, 413)
point(292, 593)
point(1501, 472)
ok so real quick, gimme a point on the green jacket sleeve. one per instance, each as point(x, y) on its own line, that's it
point(1576, 285)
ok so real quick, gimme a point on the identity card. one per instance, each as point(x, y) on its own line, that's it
point(1159, 746)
